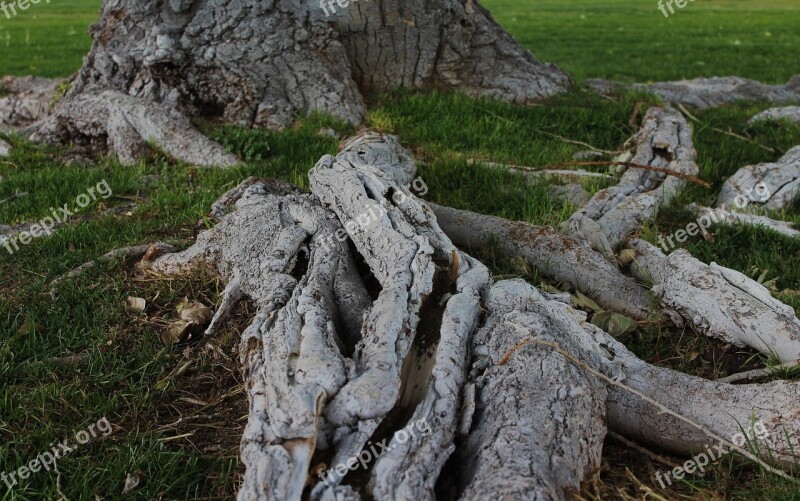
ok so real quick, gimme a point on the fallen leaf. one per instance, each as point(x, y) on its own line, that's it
point(614, 323)
point(197, 313)
point(581, 301)
point(194, 318)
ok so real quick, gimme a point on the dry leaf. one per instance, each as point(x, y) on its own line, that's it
point(194, 318)
point(197, 313)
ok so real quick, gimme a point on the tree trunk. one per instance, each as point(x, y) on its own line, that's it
point(262, 64)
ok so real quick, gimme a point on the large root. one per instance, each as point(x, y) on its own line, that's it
point(756, 189)
point(126, 125)
point(28, 100)
point(539, 425)
point(768, 186)
point(348, 351)
point(709, 92)
point(556, 256)
point(720, 302)
point(613, 214)
point(787, 113)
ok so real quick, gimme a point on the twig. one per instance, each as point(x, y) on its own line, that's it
point(669, 172)
point(578, 143)
point(664, 409)
point(18, 194)
point(758, 373)
point(570, 173)
point(686, 112)
point(745, 139)
point(652, 455)
point(727, 133)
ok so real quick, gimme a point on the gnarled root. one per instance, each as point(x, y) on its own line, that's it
point(127, 124)
point(720, 302)
point(362, 335)
point(665, 142)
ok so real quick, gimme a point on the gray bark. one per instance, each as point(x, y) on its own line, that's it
point(263, 64)
point(787, 113)
point(27, 100)
point(709, 92)
point(514, 384)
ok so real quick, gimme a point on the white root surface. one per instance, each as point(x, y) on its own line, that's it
point(556, 256)
point(720, 302)
point(128, 124)
point(769, 186)
point(722, 216)
point(613, 214)
point(787, 113)
point(539, 425)
point(342, 355)
point(709, 92)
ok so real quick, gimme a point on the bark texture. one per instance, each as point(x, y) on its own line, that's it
point(769, 186)
point(709, 92)
point(369, 319)
point(787, 113)
point(613, 214)
point(262, 64)
point(27, 100)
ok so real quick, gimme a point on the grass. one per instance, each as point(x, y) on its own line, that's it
point(144, 389)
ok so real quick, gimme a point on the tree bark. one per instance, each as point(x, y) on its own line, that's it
point(361, 333)
point(262, 64)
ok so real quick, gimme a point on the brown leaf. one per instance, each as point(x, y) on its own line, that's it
point(197, 313)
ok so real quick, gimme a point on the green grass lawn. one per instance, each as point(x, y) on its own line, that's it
point(178, 413)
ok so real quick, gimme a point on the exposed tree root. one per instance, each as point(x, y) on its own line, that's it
point(709, 92)
point(360, 334)
point(665, 142)
point(556, 256)
point(722, 216)
point(28, 100)
point(787, 113)
point(720, 302)
point(768, 186)
point(127, 124)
